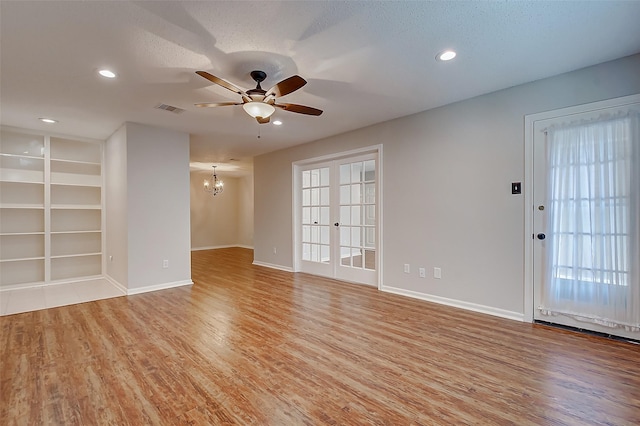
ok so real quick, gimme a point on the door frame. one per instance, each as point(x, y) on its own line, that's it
point(529, 231)
point(296, 190)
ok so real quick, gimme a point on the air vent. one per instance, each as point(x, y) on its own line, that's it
point(170, 108)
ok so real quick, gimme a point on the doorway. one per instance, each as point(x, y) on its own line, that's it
point(583, 217)
point(336, 211)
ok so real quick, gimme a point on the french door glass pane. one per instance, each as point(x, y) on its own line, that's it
point(369, 193)
point(355, 194)
point(370, 259)
point(345, 215)
point(324, 215)
point(315, 215)
point(324, 253)
point(345, 194)
point(345, 173)
point(357, 214)
point(370, 170)
point(324, 196)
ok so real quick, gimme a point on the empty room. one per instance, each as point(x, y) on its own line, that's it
point(320, 212)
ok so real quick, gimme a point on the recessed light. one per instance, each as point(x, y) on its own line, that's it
point(446, 55)
point(107, 73)
point(277, 123)
point(48, 120)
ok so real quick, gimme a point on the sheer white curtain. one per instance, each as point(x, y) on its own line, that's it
point(593, 222)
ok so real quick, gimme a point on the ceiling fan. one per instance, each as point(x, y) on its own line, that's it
point(259, 103)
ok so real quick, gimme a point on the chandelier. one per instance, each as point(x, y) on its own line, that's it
point(213, 185)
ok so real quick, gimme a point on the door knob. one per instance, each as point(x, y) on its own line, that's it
point(336, 224)
point(541, 236)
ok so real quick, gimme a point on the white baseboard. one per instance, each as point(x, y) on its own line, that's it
point(156, 287)
point(221, 247)
point(50, 283)
point(116, 283)
point(272, 266)
point(516, 316)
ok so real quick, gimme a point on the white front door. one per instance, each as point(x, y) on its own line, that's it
point(337, 227)
point(585, 271)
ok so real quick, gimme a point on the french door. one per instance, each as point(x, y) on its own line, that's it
point(337, 219)
point(586, 193)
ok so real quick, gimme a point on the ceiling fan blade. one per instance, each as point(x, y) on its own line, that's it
point(221, 82)
point(217, 104)
point(262, 120)
point(300, 109)
point(287, 86)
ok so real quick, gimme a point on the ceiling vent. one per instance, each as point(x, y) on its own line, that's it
point(170, 108)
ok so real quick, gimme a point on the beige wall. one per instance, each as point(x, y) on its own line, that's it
point(147, 174)
point(245, 211)
point(116, 222)
point(224, 220)
point(446, 187)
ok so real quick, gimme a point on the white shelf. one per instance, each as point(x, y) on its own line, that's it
point(35, 157)
point(71, 150)
point(77, 232)
point(30, 182)
point(21, 144)
point(16, 169)
point(22, 221)
point(76, 244)
point(75, 207)
point(77, 185)
point(51, 209)
point(22, 206)
point(76, 266)
point(22, 259)
point(22, 272)
point(75, 220)
point(64, 256)
point(61, 160)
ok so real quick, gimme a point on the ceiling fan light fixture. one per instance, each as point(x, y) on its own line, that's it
point(259, 109)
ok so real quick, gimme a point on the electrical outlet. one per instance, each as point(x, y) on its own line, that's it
point(110, 258)
point(165, 264)
point(422, 272)
point(437, 273)
point(275, 250)
point(407, 268)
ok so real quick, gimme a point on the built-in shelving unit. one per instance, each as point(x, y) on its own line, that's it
point(50, 209)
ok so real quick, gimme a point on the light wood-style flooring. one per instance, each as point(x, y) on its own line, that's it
point(250, 345)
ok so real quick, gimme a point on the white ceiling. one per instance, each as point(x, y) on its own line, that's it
point(365, 62)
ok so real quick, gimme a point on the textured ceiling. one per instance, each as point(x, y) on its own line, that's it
point(365, 62)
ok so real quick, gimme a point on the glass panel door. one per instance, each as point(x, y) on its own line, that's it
point(586, 235)
point(315, 215)
point(337, 226)
point(357, 201)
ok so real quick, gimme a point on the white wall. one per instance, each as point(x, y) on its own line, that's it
point(156, 187)
point(225, 220)
point(447, 188)
point(245, 211)
point(116, 228)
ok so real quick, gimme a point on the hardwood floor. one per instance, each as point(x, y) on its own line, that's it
point(251, 345)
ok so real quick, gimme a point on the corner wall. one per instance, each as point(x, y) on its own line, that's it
point(116, 222)
point(148, 208)
point(447, 192)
